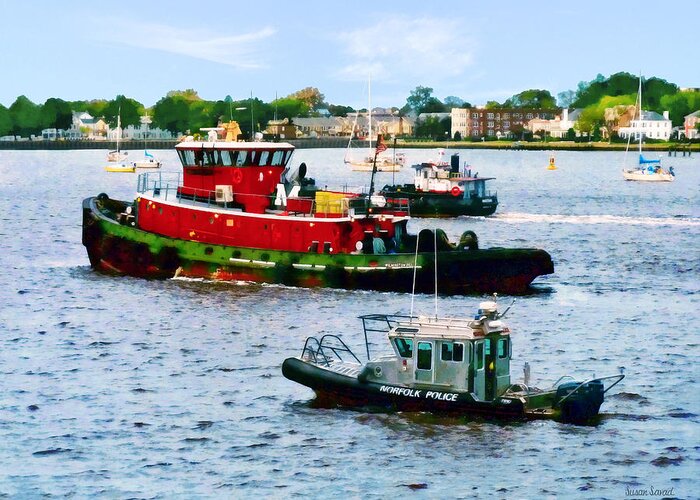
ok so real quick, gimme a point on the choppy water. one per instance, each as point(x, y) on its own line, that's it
point(131, 388)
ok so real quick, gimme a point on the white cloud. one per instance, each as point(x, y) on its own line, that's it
point(402, 47)
point(240, 51)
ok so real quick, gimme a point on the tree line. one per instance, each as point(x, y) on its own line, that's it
point(186, 111)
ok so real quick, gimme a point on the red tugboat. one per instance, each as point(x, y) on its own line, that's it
point(236, 214)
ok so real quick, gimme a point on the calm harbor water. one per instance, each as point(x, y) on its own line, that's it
point(124, 387)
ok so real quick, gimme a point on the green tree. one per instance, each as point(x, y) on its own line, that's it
point(5, 121)
point(433, 128)
point(172, 113)
point(95, 107)
point(25, 116)
point(434, 105)
point(493, 105)
point(680, 104)
point(533, 98)
point(456, 102)
point(589, 121)
point(339, 110)
point(129, 110)
point(56, 113)
point(566, 98)
point(290, 107)
point(420, 97)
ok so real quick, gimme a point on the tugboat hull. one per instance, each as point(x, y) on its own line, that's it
point(422, 204)
point(115, 245)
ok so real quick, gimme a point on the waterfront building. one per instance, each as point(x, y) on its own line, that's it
point(690, 123)
point(651, 125)
point(558, 126)
point(495, 122)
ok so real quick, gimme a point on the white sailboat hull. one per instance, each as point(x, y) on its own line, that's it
point(644, 175)
point(147, 164)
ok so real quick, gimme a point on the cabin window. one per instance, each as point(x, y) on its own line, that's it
point(263, 158)
point(503, 348)
point(253, 158)
point(226, 158)
point(210, 157)
point(452, 352)
point(187, 157)
point(287, 156)
point(425, 356)
point(404, 347)
point(241, 158)
point(277, 158)
point(480, 356)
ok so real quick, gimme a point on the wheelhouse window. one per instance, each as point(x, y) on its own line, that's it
point(241, 158)
point(277, 158)
point(503, 348)
point(186, 157)
point(452, 352)
point(404, 347)
point(480, 356)
point(425, 356)
point(263, 158)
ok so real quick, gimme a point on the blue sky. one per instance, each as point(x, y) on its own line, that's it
point(477, 51)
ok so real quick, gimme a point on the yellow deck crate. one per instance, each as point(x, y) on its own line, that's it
point(328, 202)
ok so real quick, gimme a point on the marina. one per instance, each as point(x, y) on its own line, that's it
point(120, 386)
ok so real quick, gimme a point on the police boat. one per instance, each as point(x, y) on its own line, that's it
point(442, 365)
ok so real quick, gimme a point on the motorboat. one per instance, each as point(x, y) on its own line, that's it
point(442, 365)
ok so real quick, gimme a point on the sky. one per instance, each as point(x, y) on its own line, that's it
point(477, 51)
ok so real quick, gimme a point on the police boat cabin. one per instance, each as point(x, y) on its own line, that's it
point(440, 365)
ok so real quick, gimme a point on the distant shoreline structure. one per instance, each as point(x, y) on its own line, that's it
point(341, 142)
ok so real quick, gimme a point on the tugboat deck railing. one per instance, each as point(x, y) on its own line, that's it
point(167, 186)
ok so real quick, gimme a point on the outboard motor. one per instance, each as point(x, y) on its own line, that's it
point(670, 171)
point(454, 163)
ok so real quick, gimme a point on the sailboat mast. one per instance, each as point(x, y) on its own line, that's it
point(369, 103)
point(639, 123)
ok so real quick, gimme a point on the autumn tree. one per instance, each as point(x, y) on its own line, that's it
point(310, 96)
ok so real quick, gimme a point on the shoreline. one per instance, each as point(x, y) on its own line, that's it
point(341, 142)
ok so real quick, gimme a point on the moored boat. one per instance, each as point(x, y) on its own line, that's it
point(647, 170)
point(120, 167)
point(441, 189)
point(235, 214)
point(444, 365)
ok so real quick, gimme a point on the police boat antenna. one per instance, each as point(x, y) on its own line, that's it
point(435, 266)
point(415, 266)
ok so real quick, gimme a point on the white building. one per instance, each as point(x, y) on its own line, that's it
point(651, 125)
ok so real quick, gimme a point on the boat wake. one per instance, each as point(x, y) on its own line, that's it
point(680, 221)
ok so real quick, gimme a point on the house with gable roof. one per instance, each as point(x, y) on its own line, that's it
point(650, 124)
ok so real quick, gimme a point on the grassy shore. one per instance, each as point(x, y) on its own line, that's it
point(545, 146)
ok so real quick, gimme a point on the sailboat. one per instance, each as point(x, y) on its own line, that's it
point(148, 161)
point(117, 155)
point(384, 162)
point(648, 170)
point(119, 165)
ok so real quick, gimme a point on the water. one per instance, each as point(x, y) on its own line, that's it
point(124, 387)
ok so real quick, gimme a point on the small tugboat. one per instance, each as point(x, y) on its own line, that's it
point(235, 213)
point(440, 189)
point(446, 365)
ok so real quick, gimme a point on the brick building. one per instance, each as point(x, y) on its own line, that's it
point(498, 122)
